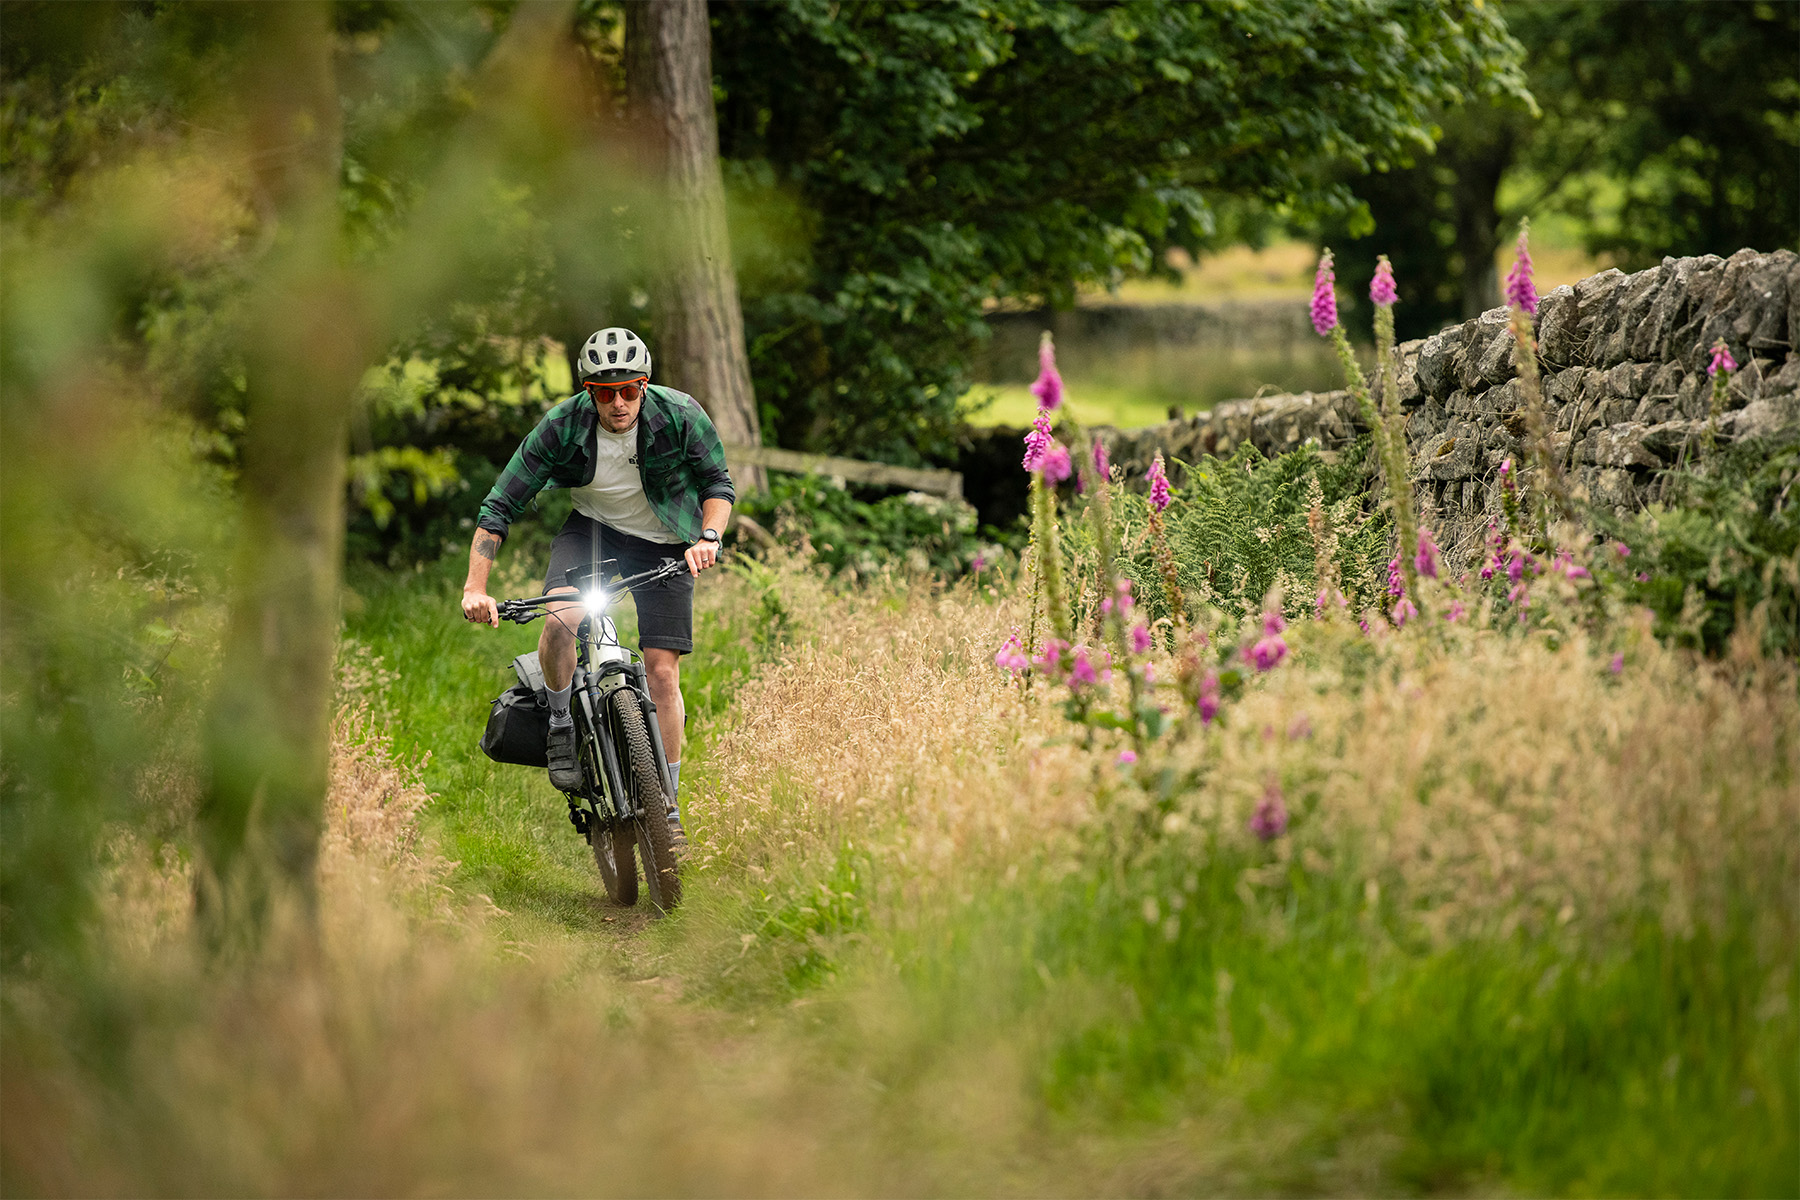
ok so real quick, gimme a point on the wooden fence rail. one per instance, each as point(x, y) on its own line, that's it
point(932, 482)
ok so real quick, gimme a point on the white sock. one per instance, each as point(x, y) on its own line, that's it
point(559, 704)
point(675, 782)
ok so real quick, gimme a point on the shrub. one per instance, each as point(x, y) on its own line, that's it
point(849, 534)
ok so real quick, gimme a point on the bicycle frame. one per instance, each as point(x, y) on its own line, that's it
point(602, 667)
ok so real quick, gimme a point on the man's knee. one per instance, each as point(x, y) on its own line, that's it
point(663, 666)
point(560, 623)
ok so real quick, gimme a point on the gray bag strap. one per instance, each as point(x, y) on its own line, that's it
point(531, 675)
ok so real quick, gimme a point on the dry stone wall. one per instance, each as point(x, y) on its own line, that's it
point(1624, 359)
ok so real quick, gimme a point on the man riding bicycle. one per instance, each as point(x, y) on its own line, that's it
point(648, 477)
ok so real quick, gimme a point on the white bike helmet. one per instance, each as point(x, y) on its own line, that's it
point(614, 355)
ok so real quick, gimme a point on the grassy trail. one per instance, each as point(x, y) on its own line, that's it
point(505, 827)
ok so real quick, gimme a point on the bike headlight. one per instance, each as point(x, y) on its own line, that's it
point(595, 602)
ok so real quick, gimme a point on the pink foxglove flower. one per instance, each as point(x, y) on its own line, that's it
point(1266, 653)
point(1404, 611)
point(1381, 288)
point(1209, 697)
point(1270, 818)
point(1622, 550)
point(1396, 580)
point(1049, 659)
point(1048, 387)
point(1299, 728)
point(1037, 442)
point(1081, 671)
point(1159, 484)
point(1102, 465)
point(1721, 359)
point(1618, 663)
point(1324, 297)
point(1566, 566)
point(1056, 465)
point(1425, 562)
point(1011, 656)
point(1273, 623)
point(1521, 292)
point(1126, 758)
point(1140, 640)
point(1457, 612)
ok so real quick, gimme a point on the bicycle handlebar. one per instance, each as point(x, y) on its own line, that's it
point(526, 610)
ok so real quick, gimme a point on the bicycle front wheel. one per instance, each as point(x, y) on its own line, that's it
point(656, 844)
point(618, 870)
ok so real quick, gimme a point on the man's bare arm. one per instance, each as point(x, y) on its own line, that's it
point(477, 604)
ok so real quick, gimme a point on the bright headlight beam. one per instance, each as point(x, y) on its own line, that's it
point(595, 602)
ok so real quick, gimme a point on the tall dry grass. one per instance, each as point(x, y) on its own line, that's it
point(1473, 779)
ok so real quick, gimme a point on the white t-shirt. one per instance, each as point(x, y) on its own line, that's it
point(616, 494)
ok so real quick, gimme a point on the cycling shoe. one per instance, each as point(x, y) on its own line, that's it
point(565, 767)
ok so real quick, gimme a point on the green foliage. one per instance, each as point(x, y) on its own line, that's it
point(941, 156)
point(1238, 527)
point(1722, 550)
point(1665, 129)
point(914, 531)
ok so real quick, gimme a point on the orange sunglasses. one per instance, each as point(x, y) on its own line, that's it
point(606, 393)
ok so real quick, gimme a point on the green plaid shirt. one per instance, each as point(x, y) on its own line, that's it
point(680, 460)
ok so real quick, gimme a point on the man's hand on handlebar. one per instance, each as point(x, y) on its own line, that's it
point(701, 555)
point(480, 608)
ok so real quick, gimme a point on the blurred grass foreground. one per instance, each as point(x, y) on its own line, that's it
point(269, 922)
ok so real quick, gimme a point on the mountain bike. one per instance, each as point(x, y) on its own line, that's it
point(622, 802)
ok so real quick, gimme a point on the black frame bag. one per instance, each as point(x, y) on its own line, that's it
point(518, 724)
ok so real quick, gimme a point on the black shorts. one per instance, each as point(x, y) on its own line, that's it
point(665, 610)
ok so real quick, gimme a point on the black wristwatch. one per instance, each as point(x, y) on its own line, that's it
point(710, 535)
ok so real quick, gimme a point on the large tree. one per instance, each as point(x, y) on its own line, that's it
point(920, 161)
point(693, 285)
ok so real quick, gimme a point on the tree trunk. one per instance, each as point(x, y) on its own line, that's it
point(1480, 156)
point(694, 298)
point(269, 732)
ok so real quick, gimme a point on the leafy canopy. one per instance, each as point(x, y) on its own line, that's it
point(934, 158)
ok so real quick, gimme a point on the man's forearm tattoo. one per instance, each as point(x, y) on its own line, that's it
point(487, 544)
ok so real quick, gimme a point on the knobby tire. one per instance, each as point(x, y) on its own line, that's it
point(656, 844)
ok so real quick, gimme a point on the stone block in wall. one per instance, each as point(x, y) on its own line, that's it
point(1500, 361)
point(1673, 441)
point(1665, 384)
point(1595, 298)
point(1764, 416)
point(1562, 389)
point(1437, 362)
point(1558, 318)
point(1611, 341)
point(1410, 393)
point(1629, 381)
point(1618, 446)
point(1454, 455)
point(1693, 395)
point(1461, 404)
point(1484, 343)
point(1615, 488)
